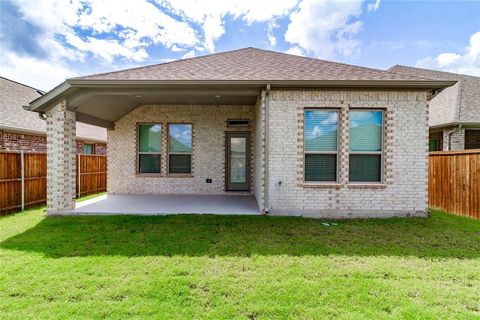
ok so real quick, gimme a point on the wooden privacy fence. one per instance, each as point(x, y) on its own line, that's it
point(23, 178)
point(454, 182)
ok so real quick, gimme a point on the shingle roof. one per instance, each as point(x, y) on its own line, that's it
point(465, 93)
point(14, 95)
point(250, 64)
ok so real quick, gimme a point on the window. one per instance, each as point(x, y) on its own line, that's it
point(149, 148)
point(472, 139)
point(88, 149)
point(366, 146)
point(433, 144)
point(320, 145)
point(180, 148)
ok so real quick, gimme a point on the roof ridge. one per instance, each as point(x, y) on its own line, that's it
point(157, 64)
point(23, 84)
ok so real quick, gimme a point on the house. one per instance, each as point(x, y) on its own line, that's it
point(454, 112)
point(300, 135)
point(21, 130)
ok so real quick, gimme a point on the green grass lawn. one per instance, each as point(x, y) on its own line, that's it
point(245, 267)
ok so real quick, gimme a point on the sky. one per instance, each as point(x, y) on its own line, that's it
point(44, 42)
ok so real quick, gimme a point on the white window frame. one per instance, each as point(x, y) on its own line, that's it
point(336, 153)
point(381, 152)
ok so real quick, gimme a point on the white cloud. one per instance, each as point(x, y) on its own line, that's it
point(373, 6)
point(98, 30)
point(326, 28)
point(295, 50)
point(466, 62)
point(270, 36)
point(109, 33)
point(40, 74)
point(118, 29)
point(210, 14)
point(189, 54)
point(176, 48)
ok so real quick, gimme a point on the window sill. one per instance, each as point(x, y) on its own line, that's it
point(178, 175)
point(149, 175)
point(321, 185)
point(367, 186)
point(162, 175)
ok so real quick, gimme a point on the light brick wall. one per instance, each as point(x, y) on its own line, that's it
point(61, 159)
point(209, 125)
point(404, 191)
point(453, 139)
point(259, 177)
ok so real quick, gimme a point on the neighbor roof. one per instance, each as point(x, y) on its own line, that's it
point(465, 94)
point(250, 64)
point(14, 95)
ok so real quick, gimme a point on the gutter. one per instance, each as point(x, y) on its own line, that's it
point(456, 124)
point(427, 84)
point(266, 204)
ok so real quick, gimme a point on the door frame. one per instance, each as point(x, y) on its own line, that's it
point(247, 135)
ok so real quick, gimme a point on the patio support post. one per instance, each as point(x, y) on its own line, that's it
point(61, 150)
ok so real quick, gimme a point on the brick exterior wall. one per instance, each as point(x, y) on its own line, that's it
point(453, 139)
point(16, 142)
point(61, 159)
point(209, 124)
point(404, 189)
point(259, 177)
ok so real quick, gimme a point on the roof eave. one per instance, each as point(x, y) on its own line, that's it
point(429, 84)
point(467, 124)
point(48, 100)
point(41, 103)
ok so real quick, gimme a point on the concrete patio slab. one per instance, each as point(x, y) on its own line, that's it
point(167, 204)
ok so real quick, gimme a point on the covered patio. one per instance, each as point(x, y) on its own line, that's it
point(152, 204)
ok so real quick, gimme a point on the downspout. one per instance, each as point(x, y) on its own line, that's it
point(449, 135)
point(267, 152)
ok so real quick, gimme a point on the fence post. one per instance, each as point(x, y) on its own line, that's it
point(79, 175)
point(22, 181)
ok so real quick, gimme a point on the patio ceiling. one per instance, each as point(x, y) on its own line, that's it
point(104, 105)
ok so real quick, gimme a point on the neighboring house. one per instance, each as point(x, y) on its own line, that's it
point(454, 113)
point(22, 130)
point(304, 136)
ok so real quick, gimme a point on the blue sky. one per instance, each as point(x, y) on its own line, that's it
point(43, 42)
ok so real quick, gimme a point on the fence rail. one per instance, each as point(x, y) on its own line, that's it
point(23, 178)
point(454, 182)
